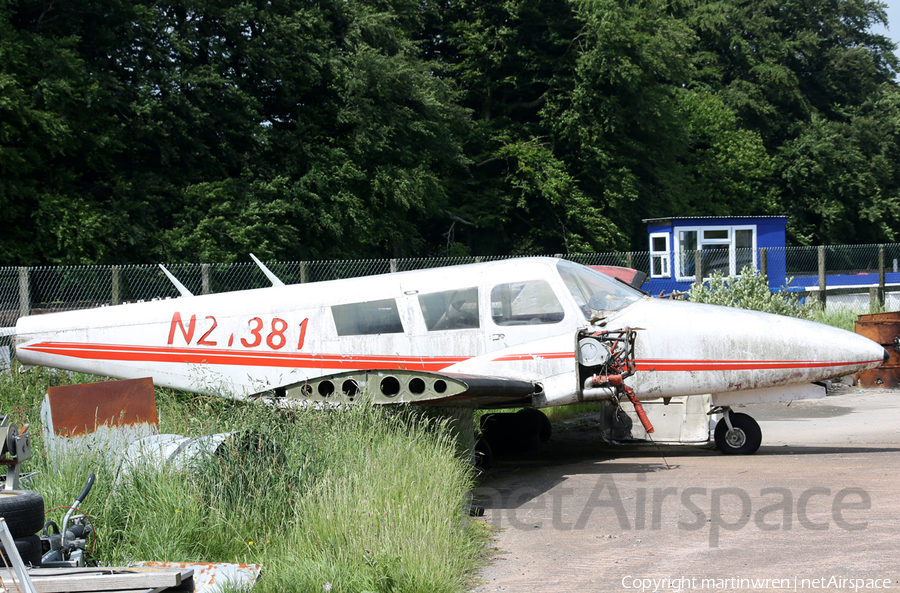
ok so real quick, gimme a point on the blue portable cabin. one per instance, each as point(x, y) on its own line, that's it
point(727, 244)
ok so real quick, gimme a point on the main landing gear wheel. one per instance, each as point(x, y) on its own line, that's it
point(483, 456)
point(743, 437)
point(512, 434)
point(545, 430)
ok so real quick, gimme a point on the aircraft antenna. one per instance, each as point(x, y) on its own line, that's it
point(181, 287)
point(272, 277)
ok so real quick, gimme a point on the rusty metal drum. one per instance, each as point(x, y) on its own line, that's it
point(883, 328)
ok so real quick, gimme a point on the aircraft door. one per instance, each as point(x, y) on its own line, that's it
point(520, 312)
point(450, 319)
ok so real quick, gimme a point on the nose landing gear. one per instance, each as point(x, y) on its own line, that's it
point(736, 433)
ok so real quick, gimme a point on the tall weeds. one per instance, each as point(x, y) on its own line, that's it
point(358, 499)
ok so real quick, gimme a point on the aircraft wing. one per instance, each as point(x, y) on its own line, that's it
point(395, 386)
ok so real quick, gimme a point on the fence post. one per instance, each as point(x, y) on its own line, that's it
point(24, 293)
point(764, 262)
point(628, 260)
point(881, 287)
point(304, 273)
point(822, 281)
point(115, 280)
point(698, 266)
point(874, 302)
point(393, 265)
point(204, 278)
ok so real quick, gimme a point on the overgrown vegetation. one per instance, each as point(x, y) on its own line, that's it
point(842, 318)
point(749, 290)
point(362, 499)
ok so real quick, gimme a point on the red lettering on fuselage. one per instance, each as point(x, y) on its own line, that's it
point(187, 333)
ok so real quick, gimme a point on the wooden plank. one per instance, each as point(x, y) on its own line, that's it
point(153, 590)
point(75, 580)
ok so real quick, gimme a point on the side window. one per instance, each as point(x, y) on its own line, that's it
point(525, 303)
point(659, 255)
point(744, 254)
point(687, 242)
point(450, 309)
point(372, 317)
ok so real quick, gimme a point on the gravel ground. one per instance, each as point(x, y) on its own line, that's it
point(817, 508)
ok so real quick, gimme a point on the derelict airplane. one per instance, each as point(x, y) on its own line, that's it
point(530, 332)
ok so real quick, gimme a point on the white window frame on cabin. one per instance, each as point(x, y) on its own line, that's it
point(661, 256)
point(704, 241)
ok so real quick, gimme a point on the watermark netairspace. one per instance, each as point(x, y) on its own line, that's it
point(716, 509)
point(830, 583)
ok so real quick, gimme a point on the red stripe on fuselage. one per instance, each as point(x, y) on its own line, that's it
point(127, 353)
point(737, 365)
point(533, 356)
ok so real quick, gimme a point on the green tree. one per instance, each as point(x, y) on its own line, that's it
point(52, 147)
point(844, 175)
point(618, 122)
point(776, 63)
point(204, 129)
point(518, 195)
point(806, 76)
point(726, 169)
point(354, 144)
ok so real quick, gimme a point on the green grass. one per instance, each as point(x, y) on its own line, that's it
point(363, 499)
point(842, 318)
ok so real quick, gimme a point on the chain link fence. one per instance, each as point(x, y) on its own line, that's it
point(36, 290)
point(859, 278)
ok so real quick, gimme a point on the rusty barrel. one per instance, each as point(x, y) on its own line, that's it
point(883, 328)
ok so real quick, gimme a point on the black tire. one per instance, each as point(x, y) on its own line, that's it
point(483, 455)
point(485, 419)
point(745, 439)
point(511, 435)
point(29, 548)
point(23, 511)
point(545, 428)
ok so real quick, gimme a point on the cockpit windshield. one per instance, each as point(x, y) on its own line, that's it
point(595, 293)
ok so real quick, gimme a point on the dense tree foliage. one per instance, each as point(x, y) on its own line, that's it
point(200, 130)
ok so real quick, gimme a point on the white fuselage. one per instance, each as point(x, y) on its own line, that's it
point(511, 319)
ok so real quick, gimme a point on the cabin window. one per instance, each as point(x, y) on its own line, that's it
point(595, 293)
point(450, 309)
point(525, 303)
point(659, 255)
point(371, 317)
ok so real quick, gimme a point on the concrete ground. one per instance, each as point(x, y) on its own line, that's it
point(817, 508)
